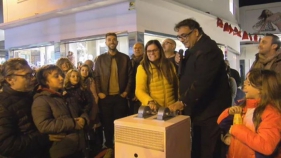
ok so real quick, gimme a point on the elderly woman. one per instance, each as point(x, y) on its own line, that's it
point(64, 64)
point(156, 79)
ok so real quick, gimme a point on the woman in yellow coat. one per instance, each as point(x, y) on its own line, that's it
point(156, 79)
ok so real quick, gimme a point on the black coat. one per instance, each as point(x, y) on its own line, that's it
point(135, 63)
point(204, 84)
point(18, 134)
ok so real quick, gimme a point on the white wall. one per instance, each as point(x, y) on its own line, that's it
point(248, 54)
point(161, 16)
point(123, 45)
point(249, 16)
point(218, 8)
point(87, 23)
point(2, 35)
point(233, 60)
point(12, 10)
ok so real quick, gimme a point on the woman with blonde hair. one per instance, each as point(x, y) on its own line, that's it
point(75, 89)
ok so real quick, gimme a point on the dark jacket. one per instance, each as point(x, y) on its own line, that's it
point(83, 97)
point(135, 63)
point(235, 74)
point(18, 136)
point(204, 84)
point(172, 60)
point(54, 114)
point(103, 67)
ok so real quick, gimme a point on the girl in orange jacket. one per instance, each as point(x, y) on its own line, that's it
point(260, 132)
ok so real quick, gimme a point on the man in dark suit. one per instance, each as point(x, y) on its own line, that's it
point(204, 88)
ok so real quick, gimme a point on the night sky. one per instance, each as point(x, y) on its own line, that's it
point(255, 2)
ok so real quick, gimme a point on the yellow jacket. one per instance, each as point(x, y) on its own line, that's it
point(158, 90)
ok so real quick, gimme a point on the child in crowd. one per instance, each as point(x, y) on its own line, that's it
point(260, 132)
point(88, 80)
point(96, 133)
point(53, 113)
point(76, 92)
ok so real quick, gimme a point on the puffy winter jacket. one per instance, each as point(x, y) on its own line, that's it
point(54, 114)
point(18, 136)
point(248, 142)
point(158, 90)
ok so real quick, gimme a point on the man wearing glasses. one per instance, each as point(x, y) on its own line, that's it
point(204, 88)
point(18, 135)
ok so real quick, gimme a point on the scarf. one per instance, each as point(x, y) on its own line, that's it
point(265, 63)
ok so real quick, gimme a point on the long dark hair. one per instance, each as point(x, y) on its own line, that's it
point(163, 65)
point(269, 84)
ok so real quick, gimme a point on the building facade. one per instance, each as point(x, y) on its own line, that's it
point(43, 36)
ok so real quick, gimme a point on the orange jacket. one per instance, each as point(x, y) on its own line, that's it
point(245, 141)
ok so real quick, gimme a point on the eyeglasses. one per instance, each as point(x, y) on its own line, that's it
point(184, 35)
point(154, 51)
point(27, 75)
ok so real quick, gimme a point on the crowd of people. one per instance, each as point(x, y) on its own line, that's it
point(60, 111)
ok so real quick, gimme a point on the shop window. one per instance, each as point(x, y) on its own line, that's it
point(89, 50)
point(36, 57)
